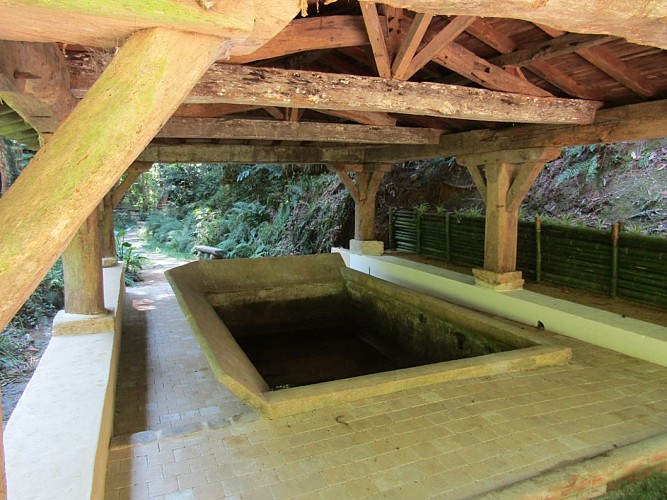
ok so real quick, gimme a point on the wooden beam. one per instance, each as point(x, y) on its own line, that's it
point(508, 156)
point(637, 22)
point(87, 154)
point(133, 173)
point(324, 91)
point(468, 64)
point(548, 49)
point(306, 89)
point(626, 123)
point(211, 110)
point(308, 34)
point(526, 176)
point(212, 128)
point(439, 42)
point(34, 81)
point(478, 178)
point(100, 23)
point(379, 119)
point(410, 45)
point(376, 35)
point(349, 184)
point(241, 153)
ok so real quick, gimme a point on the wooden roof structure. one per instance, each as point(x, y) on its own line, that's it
point(307, 81)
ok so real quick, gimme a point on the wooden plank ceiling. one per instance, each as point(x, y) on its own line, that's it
point(343, 80)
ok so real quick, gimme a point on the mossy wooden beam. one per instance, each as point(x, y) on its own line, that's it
point(638, 22)
point(146, 81)
point(101, 23)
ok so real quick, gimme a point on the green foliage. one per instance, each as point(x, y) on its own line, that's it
point(653, 487)
point(251, 211)
point(584, 161)
point(13, 345)
point(45, 301)
point(132, 260)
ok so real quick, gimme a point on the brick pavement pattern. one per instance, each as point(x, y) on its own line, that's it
point(181, 435)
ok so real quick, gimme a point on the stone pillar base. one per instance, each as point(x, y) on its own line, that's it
point(366, 247)
point(500, 282)
point(72, 324)
point(109, 261)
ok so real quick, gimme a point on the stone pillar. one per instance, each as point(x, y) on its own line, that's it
point(503, 184)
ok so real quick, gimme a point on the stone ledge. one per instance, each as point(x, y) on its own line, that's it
point(500, 282)
point(75, 324)
point(366, 247)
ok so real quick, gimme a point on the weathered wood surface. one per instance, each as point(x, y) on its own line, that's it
point(306, 89)
point(376, 36)
point(133, 173)
point(296, 131)
point(241, 153)
point(101, 23)
point(34, 82)
point(548, 49)
point(70, 175)
point(638, 22)
point(82, 270)
point(626, 123)
point(216, 253)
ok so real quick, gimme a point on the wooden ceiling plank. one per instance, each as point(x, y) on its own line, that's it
point(410, 45)
point(613, 66)
point(376, 36)
point(447, 35)
point(638, 22)
point(483, 31)
point(542, 51)
point(295, 131)
point(468, 64)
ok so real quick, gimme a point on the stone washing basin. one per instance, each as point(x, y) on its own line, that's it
point(292, 334)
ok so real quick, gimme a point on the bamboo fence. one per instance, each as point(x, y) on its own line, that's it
point(613, 262)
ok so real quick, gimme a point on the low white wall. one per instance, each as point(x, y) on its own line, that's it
point(57, 439)
point(629, 336)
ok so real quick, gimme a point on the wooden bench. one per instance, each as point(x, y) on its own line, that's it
point(211, 252)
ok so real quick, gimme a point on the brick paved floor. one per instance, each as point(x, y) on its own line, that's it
point(180, 435)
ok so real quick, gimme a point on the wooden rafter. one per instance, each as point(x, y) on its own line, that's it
point(608, 63)
point(637, 22)
point(377, 36)
point(482, 30)
point(437, 43)
point(549, 49)
point(410, 45)
point(468, 64)
point(211, 110)
point(304, 89)
point(212, 128)
point(379, 119)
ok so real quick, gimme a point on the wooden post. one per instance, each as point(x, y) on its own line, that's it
point(503, 186)
point(538, 249)
point(137, 93)
point(613, 288)
point(364, 193)
point(448, 240)
point(82, 270)
point(107, 236)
